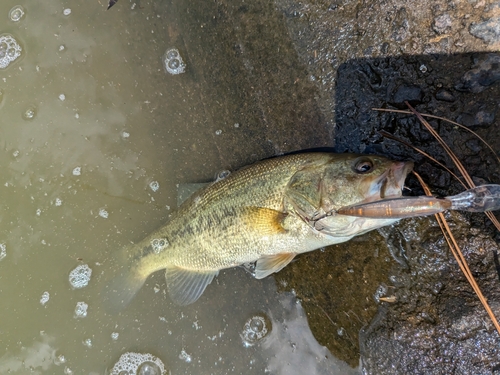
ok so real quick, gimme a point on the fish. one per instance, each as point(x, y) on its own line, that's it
point(266, 213)
point(481, 198)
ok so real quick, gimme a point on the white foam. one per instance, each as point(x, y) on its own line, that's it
point(254, 330)
point(10, 50)
point(81, 310)
point(45, 298)
point(80, 276)
point(185, 356)
point(3, 251)
point(173, 62)
point(132, 363)
point(159, 244)
point(67, 11)
point(154, 185)
point(77, 171)
point(103, 213)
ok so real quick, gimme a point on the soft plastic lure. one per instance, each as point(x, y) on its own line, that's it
point(479, 199)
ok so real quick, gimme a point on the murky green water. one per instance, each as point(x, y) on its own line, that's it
point(93, 165)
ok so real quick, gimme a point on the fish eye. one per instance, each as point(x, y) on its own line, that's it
point(362, 165)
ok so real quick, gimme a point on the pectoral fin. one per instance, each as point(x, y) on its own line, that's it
point(265, 221)
point(185, 286)
point(272, 263)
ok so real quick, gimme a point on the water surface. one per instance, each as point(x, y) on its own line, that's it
point(95, 137)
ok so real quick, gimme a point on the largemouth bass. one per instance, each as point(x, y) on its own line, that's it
point(267, 212)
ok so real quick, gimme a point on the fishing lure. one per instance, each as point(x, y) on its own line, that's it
point(479, 199)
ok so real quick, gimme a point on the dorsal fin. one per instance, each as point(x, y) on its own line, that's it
point(185, 286)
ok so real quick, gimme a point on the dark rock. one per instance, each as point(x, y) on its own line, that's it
point(445, 96)
point(485, 73)
point(489, 30)
point(442, 23)
point(477, 119)
point(406, 92)
point(473, 145)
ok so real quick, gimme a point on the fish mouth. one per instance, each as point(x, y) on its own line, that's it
point(390, 184)
point(393, 182)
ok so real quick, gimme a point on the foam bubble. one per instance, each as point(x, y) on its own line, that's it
point(154, 185)
point(10, 50)
point(138, 364)
point(114, 335)
point(30, 113)
point(87, 343)
point(67, 11)
point(103, 213)
point(148, 368)
point(159, 244)
point(3, 251)
point(45, 298)
point(62, 97)
point(185, 356)
point(173, 62)
point(218, 132)
point(80, 276)
point(255, 329)
point(16, 13)
point(77, 171)
point(81, 310)
point(59, 360)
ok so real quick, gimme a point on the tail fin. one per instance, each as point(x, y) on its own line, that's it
point(125, 278)
point(120, 290)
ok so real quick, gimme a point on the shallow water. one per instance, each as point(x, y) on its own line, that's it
point(95, 135)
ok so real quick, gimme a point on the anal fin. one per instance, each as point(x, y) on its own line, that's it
point(269, 264)
point(185, 286)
